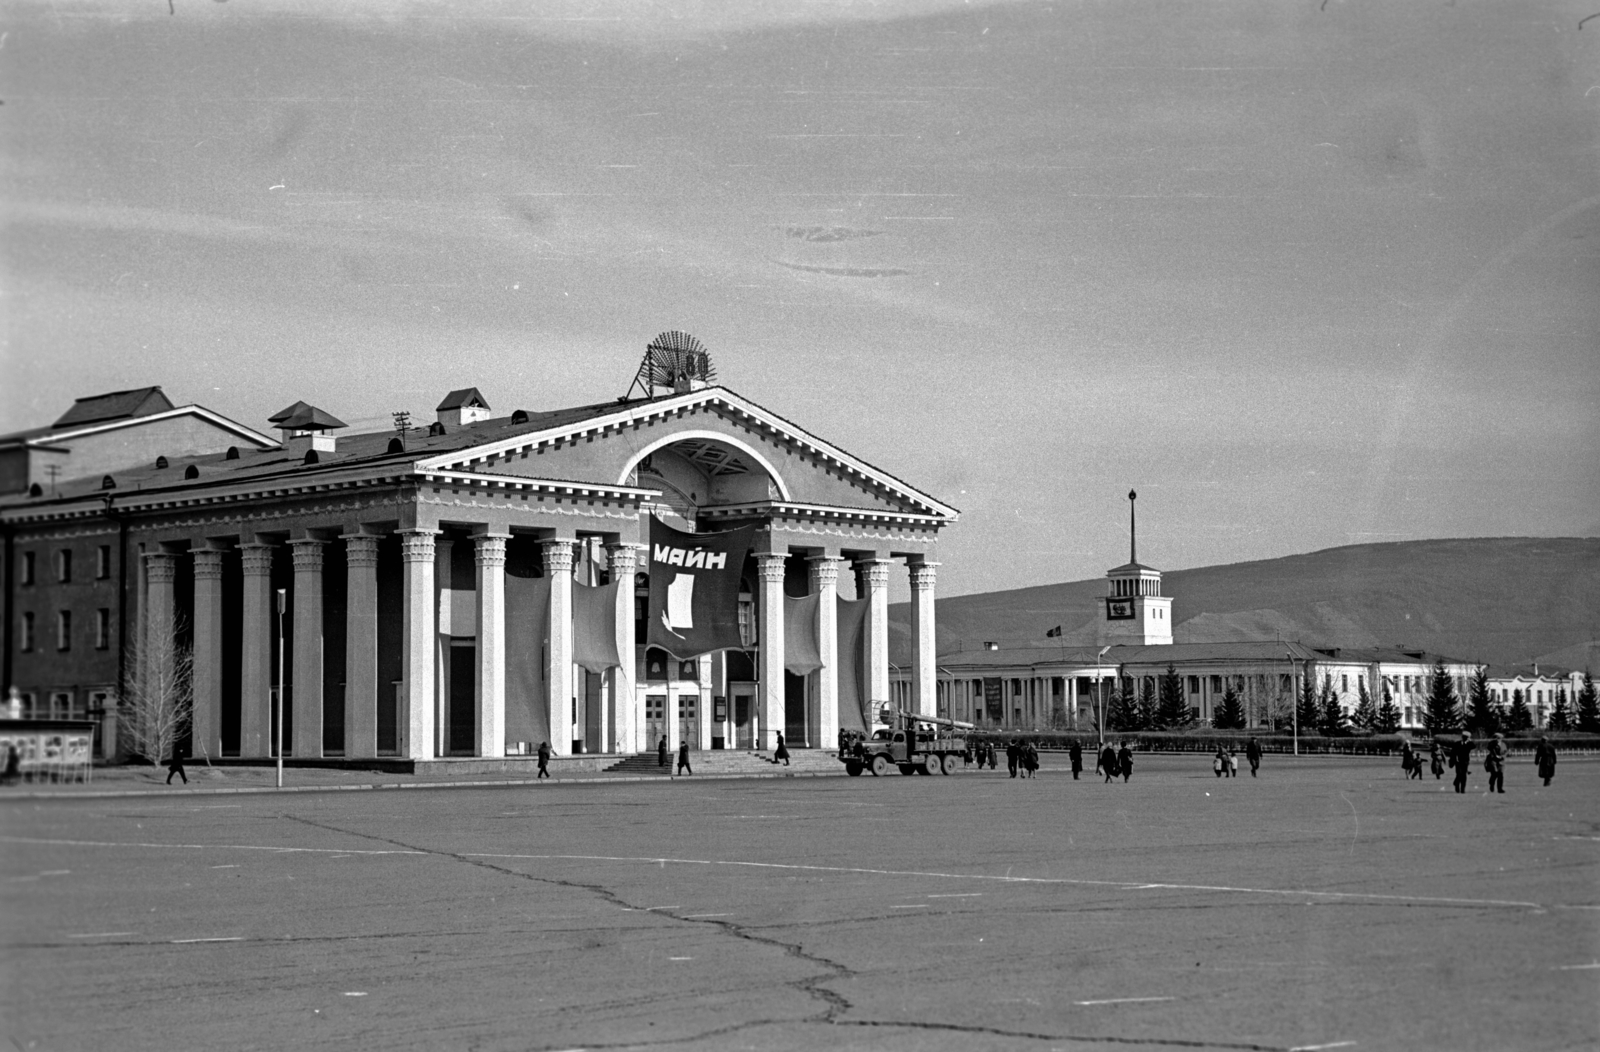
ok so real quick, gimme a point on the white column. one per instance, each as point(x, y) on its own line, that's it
point(419, 607)
point(489, 719)
point(825, 582)
point(443, 581)
point(206, 726)
point(307, 692)
point(875, 632)
point(924, 656)
point(559, 678)
point(620, 682)
point(255, 653)
point(770, 571)
point(158, 669)
point(361, 646)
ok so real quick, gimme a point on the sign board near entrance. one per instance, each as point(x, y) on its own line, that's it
point(992, 699)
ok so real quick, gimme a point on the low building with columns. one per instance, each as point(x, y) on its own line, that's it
point(442, 587)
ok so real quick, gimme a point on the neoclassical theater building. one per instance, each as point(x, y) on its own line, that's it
point(470, 587)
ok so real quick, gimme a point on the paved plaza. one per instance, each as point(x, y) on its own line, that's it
point(1327, 904)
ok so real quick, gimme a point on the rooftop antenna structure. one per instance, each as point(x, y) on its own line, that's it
point(1133, 528)
point(54, 471)
point(674, 360)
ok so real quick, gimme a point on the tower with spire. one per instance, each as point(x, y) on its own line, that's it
point(1136, 612)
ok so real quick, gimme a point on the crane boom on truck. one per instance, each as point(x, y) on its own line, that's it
point(913, 742)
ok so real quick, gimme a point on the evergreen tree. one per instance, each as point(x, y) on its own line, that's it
point(1442, 714)
point(1480, 706)
point(1561, 714)
point(1331, 719)
point(1366, 714)
point(1520, 718)
point(1588, 707)
point(1147, 706)
point(1230, 714)
point(1388, 714)
point(1120, 711)
point(1173, 709)
point(1308, 712)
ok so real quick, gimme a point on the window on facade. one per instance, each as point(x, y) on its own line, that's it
point(1194, 684)
point(27, 705)
point(63, 629)
point(61, 705)
point(25, 632)
point(102, 628)
point(64, 565)
point(26, 572)
point(1344, 683)
point(102, 562)
point(1216, 684)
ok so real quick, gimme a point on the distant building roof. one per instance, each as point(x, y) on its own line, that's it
point(140, 401)
point(310, 418)
point(283, 414)
point(467, 396)
point(1132, 568)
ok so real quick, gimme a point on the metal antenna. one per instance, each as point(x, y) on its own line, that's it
point(1133, 529)
point(54, 471)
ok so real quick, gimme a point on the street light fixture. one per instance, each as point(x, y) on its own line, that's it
point(1100, 698)
point(1294, 703)
point(278, 731)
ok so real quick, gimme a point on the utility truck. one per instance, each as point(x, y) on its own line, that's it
point(913, 743)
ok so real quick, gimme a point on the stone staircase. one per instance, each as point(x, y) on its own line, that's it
point(734, 761)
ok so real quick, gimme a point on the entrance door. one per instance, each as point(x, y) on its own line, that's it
point(655, 720)
point(462, 699)
point(743, 726)
point(689, 720)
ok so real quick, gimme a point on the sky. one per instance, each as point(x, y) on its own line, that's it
point(1304, 274)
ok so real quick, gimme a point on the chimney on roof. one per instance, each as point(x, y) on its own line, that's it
point(466, 406)
point(305, 427)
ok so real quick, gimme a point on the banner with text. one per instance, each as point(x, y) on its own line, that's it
point(694, 589)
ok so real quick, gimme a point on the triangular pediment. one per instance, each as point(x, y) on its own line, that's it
point(742, 453)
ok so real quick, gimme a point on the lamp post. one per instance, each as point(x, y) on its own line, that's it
point(1100, 699)
point(278, 730)
point(1294, 703)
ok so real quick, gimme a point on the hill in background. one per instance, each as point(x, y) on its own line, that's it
point(1503, 600)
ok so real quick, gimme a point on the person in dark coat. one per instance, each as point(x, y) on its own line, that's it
point(13, 769)
point(1436, 758)
point(1011, 757)
point(1108, 762)
point(1219, 763)
point(661, 752)
point(1494, 762)
point(1030, 758)
point(781, 752)
point(1544, 756)
point(1075, 754)
point(994, 756)
point(175, 766)
point(1252, 752)
point(1125, 761)
point(1461, 760)
point(683, 758)
point(1410, 763)
point(544, 761)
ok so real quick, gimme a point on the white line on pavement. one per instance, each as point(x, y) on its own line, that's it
point(101, 934)
point(1357, 896)
point(1576, 967)
point(1124, 1000)
point(204, 847)
point(957, 895)
point(704, 916)
point(218, 938)
point(1317, 1048)
point(913, 906)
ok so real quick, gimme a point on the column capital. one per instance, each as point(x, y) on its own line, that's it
point(307, 553)
point(876, 571)
point(207, 564)
point(923, 574)
point(490, 548)
point(770, 566)
point(624, 558)
point(558, 556)
point(360, 549)
point(160, 567)
point(257, 559)
point(825, 569)
point(416, 546)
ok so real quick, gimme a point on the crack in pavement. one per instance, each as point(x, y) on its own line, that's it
point(833, 1004)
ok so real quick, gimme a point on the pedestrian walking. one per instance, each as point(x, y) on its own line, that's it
point(1233, 764)
point(994, 757)
point(1011, 757)
point(1075, 754)
point(13, 769)
point(661, 752)
point(781, 752)
point(1252, 752)
point(1125, 761)
point(1030, 758)
point(1108, 762)
point(1410, 762)
point(1461, 760)
point(1219, 762)
point(1436, 758)
point(544, 761)
point(683, 759)
point(175, 766)
point(1544, 756)
point(1494, 762)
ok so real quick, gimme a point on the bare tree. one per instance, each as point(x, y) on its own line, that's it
point(158, 699)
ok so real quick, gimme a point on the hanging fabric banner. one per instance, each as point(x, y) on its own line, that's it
point(802, 652)
point(694, 589)
point(527, 606)
point(594, 626)
point(853, 715)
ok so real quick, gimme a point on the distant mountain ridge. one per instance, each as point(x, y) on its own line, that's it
point(1499, 601)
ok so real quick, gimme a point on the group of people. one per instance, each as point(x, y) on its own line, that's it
point(683, 755)
point(1459, 757)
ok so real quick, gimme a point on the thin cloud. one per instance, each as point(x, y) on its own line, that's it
point(846, 272)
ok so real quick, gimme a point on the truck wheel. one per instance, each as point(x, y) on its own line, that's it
point(928, 766)
point(853, 768)
point(951, 763)
point(880, 765)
